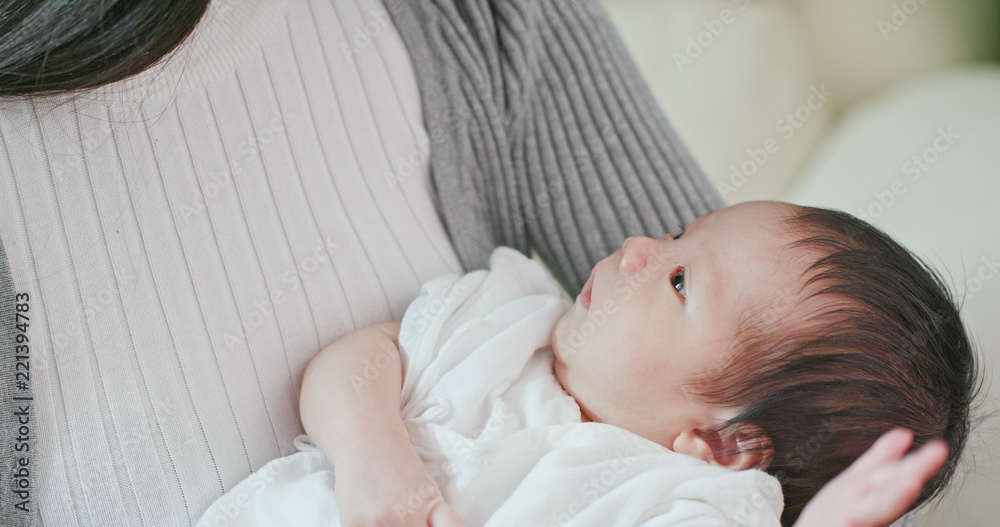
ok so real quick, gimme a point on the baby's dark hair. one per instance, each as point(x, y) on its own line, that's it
point(872, 341)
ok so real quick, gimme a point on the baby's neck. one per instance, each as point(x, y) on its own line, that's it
point(583, 415)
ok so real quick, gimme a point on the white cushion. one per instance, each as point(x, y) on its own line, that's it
point(864, 46)
point(725, 81)
point(728, 93)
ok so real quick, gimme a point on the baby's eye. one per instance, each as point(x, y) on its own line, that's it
point(679, 234)
point(678, 279)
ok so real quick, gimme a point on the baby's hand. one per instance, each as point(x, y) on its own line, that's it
point(877, 488)
point(387, 484)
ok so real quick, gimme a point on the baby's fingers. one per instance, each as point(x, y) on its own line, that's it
point(444, 516)
point(922, 464)
point(895, 485)
point(888, 448)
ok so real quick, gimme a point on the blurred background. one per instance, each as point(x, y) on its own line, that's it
point(887, 109)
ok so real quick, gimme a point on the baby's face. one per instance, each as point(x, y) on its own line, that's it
point(662, 313)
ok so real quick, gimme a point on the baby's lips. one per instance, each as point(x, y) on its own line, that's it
point(585, 299)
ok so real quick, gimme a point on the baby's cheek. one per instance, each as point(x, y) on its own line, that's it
point(640, 364)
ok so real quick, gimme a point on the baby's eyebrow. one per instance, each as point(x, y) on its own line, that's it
point(710, 270)
point(692, 222)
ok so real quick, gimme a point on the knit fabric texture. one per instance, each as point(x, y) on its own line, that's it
point(544, 133)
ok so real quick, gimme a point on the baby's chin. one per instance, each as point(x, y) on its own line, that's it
point(559, 331)
point(559, 370)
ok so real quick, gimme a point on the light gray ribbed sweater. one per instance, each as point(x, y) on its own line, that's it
point(542, 135)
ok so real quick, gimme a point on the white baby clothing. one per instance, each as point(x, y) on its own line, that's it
point(503, 440)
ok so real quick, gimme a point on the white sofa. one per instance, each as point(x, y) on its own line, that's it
point(888, 109)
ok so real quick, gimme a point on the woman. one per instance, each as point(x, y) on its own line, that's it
point(191, 231)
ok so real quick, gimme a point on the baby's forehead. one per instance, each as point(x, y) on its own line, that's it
point(756, 216)
point(767, 271)
point(748, 254)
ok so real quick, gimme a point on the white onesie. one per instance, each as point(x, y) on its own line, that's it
point(503, 440)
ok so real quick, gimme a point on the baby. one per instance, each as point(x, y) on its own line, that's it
point(768, 343)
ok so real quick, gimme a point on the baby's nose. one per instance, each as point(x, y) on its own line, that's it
point(635, 253)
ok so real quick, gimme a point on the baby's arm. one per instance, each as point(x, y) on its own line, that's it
point(352, 415)
point(340, 416)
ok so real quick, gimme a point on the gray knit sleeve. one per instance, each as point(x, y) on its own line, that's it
point(544, 134)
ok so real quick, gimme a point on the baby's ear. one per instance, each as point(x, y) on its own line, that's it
point(746, 448)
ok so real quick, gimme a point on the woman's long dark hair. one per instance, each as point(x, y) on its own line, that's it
point(53, 46)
